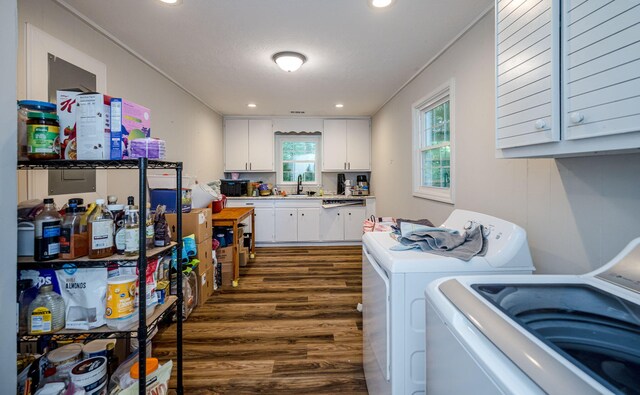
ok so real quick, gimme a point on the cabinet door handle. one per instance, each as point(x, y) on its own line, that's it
point(345, 165)
point(576, 117)
point(290, 215)
point(245, 165)
point(303, 214)
point(250, 165)
point(338, 214)
point(349, 213)
point(349, 165)
point(540, 124)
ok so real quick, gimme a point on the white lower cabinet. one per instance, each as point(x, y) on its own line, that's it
point(332, 225)
point(342, 224)
point(286, 224)
point(265, 224)
point(309, 224)
point(353, 219)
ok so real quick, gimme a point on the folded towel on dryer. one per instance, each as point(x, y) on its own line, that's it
point(441, 241)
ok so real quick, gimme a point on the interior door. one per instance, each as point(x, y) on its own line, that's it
point(236, 143)
point(334, 145)
point(261, 143)
point(358, 144)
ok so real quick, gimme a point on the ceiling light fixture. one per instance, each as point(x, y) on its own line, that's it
point(339, 105)
point(251, 105)
point(171, 2)
point(380, 3)
point(289, 61)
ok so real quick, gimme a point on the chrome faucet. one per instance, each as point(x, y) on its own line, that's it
point(299, 189)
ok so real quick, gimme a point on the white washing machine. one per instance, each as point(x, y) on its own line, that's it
point(554, 334)
point(393, 297)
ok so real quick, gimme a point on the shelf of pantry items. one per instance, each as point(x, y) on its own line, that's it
point(95, 164)
point(27, 262)
point(104, 331)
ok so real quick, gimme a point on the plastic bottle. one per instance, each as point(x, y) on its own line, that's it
point(73, 236)
point(100, 231)
point(47, 233)
point(46, 312)
point(150, 233)
point(132, 231)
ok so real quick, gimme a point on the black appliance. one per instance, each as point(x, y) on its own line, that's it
point(341, 180)
point(234, 187)
point(362, 186)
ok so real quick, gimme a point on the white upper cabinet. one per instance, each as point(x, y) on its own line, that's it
point(346, 145)
point(596, 107)
point(248, 145)
point(527, 38)
point(602, 74)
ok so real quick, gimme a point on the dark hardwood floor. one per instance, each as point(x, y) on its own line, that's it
point(290, 327)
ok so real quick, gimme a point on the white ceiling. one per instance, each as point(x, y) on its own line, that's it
point(220, 50)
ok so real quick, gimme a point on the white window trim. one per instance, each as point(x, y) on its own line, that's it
point(318, 140)
point(446, 195)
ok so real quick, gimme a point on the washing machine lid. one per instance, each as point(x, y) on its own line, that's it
point(415, 261)
point(533, 355)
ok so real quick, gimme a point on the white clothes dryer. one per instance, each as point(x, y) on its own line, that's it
point(393, 285)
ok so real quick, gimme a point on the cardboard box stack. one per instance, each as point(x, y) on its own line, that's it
point(225, 257)
point(198, 223)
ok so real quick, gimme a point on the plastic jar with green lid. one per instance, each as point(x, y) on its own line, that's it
point(43, 136)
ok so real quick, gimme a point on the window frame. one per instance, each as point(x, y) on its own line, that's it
point(280, 139)
point(420, 107)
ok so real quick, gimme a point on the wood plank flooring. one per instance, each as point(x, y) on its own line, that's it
point(290, 327)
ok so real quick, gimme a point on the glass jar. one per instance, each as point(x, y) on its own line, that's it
point(43, 136)
point(73, 235)
point(24, 107)
point(46, 312)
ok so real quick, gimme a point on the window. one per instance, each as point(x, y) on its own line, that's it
point(298, 156)
point(433, 156)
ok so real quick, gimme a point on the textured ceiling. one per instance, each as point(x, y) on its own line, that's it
point(221, 50)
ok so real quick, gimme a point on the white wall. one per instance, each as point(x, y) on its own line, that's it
point(578, 212)
point(193, 132)
point(8, 158)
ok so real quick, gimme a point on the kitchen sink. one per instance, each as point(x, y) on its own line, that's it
point(298, 196)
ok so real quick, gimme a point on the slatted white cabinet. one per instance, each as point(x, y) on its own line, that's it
point(528, 69)
point(595, 106)
point(602, 74)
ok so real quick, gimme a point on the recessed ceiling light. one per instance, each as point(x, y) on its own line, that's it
point(339, 105)
point(380, 3)
point(171, 2)
point(251, 105)
point(289, 61)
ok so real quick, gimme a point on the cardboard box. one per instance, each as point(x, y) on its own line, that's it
point(67, 118)
point(196, 222)
point(205, 284)
point(227, 275)
point(204, 254)
point(244, 256)
point(93, 129)
point(224, 255)
point(131, 121)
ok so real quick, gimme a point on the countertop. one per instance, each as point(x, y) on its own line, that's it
point(290, 197)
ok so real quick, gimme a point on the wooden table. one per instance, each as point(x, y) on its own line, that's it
point(231, 217)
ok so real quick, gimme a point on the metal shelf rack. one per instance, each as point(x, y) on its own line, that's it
point(144, 326)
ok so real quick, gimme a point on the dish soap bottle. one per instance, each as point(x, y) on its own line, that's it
point(100, 231)
point(47, 233)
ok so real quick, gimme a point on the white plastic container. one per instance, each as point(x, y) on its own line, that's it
point(96, 348)
point(25, 238)
point(121, 311)
point(65, 357)
point(90, 375)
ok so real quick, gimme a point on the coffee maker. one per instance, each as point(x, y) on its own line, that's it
point(341, 179)
point(362, 186)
